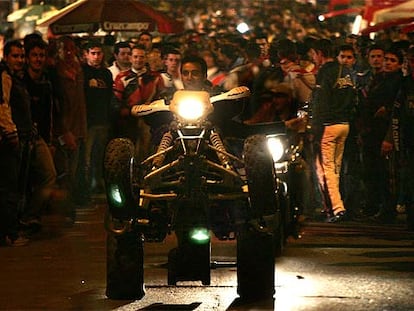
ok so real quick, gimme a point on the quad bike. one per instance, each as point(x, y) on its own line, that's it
point(193, 187)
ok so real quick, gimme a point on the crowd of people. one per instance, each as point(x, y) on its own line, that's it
point(62, 101)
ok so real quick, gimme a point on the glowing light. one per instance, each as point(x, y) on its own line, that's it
point(200, 235)
point(356, 26)
point(276, 147)
point(115, 194)
point(321, 18)
point(190, 109)
point(242, 27)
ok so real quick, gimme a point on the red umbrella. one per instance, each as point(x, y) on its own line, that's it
point(110, 15)
point(388, 24)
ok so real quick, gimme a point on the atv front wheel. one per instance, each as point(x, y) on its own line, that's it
point(261, 180)
point(255, 264)
point(125, 266)
point(118, 175)
point(256, 241)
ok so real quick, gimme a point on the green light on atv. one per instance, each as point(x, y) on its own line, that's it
point(115, 195)
point(200, 235)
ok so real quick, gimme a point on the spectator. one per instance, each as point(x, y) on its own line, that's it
point(380, 167)
point(42, 168)
point(300, 80)
point(137, 86)
point(98, 94)
point(333, 102)
point(400, 139)
point(71, 126)
point(171, 76)
point(16, 130)
point(367, 83)
point(154, 60)
point(145, 39)
point(122, 62)
point(214, 74)
point(232, 62)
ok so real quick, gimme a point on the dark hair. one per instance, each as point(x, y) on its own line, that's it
point(229, 50)
point(170, 51)
point(121, 45)
point(287, 49)
point(195, 60)
point(10, 44)
point(93, 44)
point(346, 47)
point(30, 45)
point(253, 50)
point(138, 47)
point(396, 52)
point(144, 33)
point(375, 47)
point(30, 38)
point(325, 46)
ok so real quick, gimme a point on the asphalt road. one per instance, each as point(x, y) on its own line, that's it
point(348, 266)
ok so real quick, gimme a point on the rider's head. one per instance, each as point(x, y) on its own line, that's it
point(194, 73)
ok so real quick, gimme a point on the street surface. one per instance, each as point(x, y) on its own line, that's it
point(348, 266)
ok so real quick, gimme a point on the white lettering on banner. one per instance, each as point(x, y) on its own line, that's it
point(126, 26)
point(61, 29)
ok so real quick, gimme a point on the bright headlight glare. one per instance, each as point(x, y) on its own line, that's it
point(190, 109)
point(276, 148)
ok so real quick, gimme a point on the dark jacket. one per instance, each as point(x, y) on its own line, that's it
point(41, 97)
point(401, 127)
point(98, 95)
point(334, 96)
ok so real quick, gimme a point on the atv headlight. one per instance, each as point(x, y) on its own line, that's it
point(191, 105)
point(276, 147)
point(190, 109)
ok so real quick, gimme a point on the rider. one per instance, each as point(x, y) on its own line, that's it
point(194, 77)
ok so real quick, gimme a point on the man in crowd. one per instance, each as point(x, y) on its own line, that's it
point(376, 107)
point(70, 127)
point(400, 139)
point(16, 133)
point(98, 94)
point(171, 77)
point(145, 39)
point(41, 166)
point(136, 86)
point(122, 54)
point(333, 101)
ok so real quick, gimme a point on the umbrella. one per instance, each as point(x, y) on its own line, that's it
point(110, 15)
point(30, 13)
point(391, 23)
